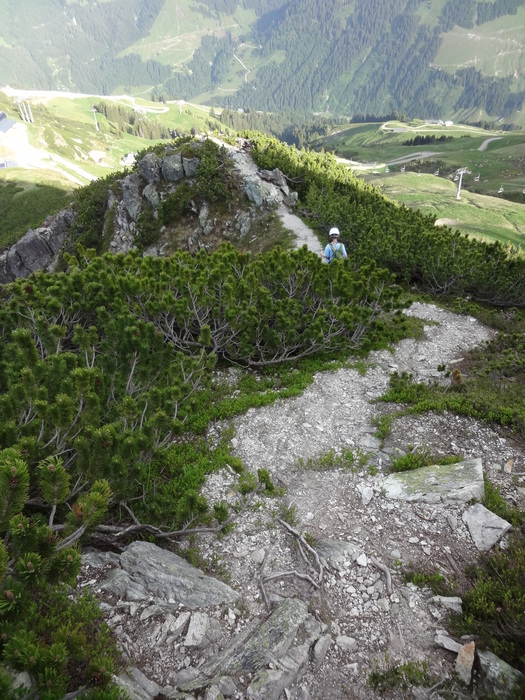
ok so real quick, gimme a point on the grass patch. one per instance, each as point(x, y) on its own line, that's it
point(400, 677)
point(26, 205)
point(347, 459)
point(494, 501)
point(437, 583)
point(421, 457)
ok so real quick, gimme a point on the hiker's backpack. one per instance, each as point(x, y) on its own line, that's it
point(338, 252)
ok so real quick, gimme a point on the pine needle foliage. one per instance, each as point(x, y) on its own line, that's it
point(109, 364)
point(58, 638)
point(439, 261)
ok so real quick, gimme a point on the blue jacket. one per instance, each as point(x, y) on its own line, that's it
point(329, 253)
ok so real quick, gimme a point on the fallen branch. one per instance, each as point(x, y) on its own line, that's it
point(302, 541)
point(401, 639)
point(261, 583)
point(386, 572)
point(284, 574)
point(116, 532)
point(452, 563)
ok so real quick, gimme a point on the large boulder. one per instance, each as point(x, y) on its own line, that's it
point(147, 571)
point(172, 167)
point(150, 167)
point(37, 249)
point(132, 195)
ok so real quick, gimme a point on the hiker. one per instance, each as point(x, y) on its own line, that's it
point(334, 250)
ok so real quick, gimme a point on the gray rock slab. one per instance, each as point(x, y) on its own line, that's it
point(485, 527)
point(260, 644)
point(497, 676)
point(134, 690)
point(131, 195)
point(446, 642)
point(262, 193)
point(149, 686)
point(172, 167)
point(190, 166)
point(460, 482)
point(202, 631)
point(453, 603)
point(148, 571)
point(150, 167)
point(270, 684)
point(320, 650)
point(151, 195)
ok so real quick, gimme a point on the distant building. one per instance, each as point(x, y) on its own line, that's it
point(5, 123)
point(128, 159)
point(449, 123)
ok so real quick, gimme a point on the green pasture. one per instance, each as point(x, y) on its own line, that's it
point(67, 127)
point(500, 47)
point(176, 35)
point(478, 215)
point(377, 146)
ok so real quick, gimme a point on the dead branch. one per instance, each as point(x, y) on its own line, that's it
point(452, 563)
point(302, 541)
point(284, 574)
point(116, 532)
point(386, 572)
point(261, 583)
point(423, 517)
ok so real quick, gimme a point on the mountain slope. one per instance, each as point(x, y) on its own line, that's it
point(428, 58)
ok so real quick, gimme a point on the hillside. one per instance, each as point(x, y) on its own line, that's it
point(415, 163)
point(230, 423)
point(425, 58)
point(75, 138)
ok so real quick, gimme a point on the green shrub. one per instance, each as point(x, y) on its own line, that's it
point(494, 501)
point(403, 676)
point(493, 608)
point(147, 229)
point(433, 580)
point(58, 637)
point(175, 204)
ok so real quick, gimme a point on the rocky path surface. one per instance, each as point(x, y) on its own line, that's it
point(349, 506)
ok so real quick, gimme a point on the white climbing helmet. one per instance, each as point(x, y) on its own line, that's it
point(334, 233)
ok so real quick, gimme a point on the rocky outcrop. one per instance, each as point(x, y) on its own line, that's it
point(146, 570)
point(38, 249)
point(177, 608)
point(254, 193)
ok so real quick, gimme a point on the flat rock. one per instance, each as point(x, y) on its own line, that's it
point(461, 482)
point(149, 571)
point(259, 645)
point(485, 527)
